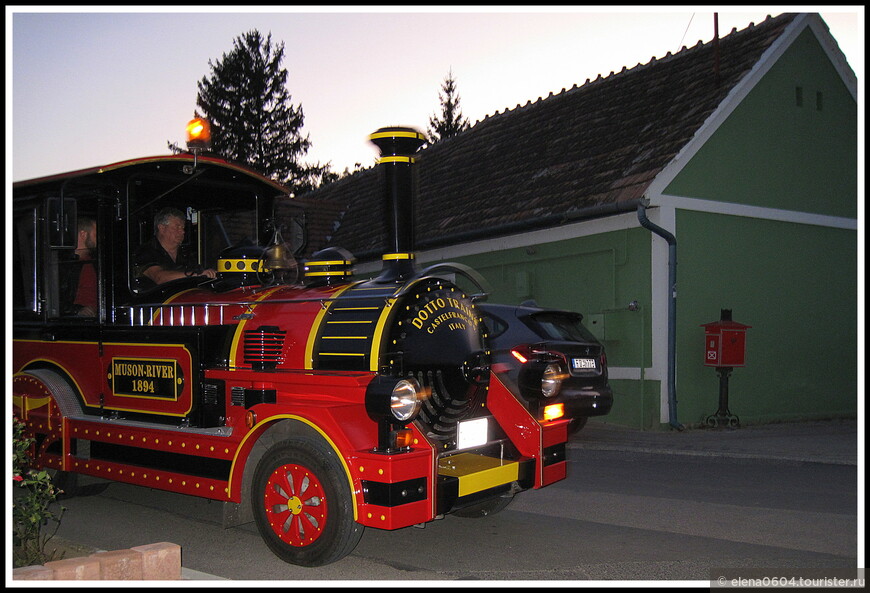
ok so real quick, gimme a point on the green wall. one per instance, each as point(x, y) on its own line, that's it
point(791, 144)
point(597, 276)
point(796, 285)
point(778, 152)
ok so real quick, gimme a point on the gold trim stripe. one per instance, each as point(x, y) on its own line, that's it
point(478, 472)
point(375, 355)
point(397, 134)
point(315, 326)
point(157, 313)
point(338, 262)
point(333, 273)
point(256, 265)
point(397, 159)
point(338, 453)
point(241, 326)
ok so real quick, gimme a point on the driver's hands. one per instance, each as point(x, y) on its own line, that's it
point(210, 272)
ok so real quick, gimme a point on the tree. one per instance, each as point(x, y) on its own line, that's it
point(451, 122)
point(252, 120)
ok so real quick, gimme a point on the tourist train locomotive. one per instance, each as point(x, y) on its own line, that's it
point(311, 402)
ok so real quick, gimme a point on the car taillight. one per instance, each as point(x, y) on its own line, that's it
point(519, 356)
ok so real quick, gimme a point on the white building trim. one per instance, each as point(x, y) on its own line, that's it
point(735, 97)
point(735, 209)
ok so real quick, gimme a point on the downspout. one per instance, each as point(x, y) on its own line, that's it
point(672, 309)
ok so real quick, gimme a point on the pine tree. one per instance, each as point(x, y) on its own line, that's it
point(451, 122)
point(252, 119)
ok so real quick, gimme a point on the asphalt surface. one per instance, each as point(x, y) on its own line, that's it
point(835, 442)
point(828, 441)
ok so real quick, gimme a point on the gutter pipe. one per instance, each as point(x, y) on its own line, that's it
point(672, 308)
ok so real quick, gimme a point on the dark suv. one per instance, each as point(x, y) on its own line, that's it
point(550, 358)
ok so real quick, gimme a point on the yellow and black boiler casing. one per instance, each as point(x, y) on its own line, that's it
point(241, 266)
point(421, 325)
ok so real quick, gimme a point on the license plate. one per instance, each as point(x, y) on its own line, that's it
point(583, 363)
point(471, 433)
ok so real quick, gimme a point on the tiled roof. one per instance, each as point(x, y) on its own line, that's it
point(599, 143)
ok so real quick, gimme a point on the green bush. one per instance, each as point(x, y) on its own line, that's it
point(33, 505)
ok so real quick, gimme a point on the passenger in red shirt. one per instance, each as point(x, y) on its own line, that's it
point(86, 294)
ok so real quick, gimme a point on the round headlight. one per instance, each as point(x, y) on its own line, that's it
point(405, 400)
point(551, 380)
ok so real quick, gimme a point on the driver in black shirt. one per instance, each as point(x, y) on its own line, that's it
point(164, 258)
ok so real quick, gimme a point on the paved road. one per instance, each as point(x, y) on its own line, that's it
point(620, 515)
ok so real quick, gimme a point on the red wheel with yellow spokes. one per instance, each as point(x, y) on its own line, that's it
point(302, 503)
point(296, 504)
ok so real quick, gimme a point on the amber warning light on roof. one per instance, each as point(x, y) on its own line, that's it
point(198, 134)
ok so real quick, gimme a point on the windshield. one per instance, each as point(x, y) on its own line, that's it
point(224, 228)
point(203, 234)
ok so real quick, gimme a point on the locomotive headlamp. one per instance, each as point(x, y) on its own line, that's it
point(551, 380)
point(393, 402)
point(541, 376)
point(396, 400)
point(405, 400)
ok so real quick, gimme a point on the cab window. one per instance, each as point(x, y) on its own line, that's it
point(24, 293)
point(207, 232)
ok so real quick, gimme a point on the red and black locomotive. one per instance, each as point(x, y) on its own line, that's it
point(308, 401)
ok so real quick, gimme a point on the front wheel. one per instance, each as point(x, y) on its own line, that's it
point(303, 505)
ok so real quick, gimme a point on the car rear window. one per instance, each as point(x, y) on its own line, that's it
point(494, 326)
point(556, 326)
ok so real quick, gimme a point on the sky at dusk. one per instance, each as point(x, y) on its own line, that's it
point(92, 88)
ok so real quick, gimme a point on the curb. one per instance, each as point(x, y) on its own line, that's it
point(717, 454)
point(152, 562)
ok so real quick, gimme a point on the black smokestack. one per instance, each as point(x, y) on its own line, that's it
point(398, 147)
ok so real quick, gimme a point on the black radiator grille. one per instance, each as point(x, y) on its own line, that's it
point(264, 347)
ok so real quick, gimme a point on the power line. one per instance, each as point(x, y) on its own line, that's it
point(686, 31)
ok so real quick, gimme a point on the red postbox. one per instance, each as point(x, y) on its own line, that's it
point(725, 342)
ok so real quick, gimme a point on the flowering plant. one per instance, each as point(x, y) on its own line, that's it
point(32, 504)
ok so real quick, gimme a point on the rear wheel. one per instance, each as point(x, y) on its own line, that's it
point(303, 505)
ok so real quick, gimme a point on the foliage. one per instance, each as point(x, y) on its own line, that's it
point(32, 505)
point(451, 121)
point(252, 119)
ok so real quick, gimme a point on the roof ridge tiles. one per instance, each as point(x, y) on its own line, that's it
point(592, 143)
point(654, 60)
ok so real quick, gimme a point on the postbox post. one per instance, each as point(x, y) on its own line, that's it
point(725, 348)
